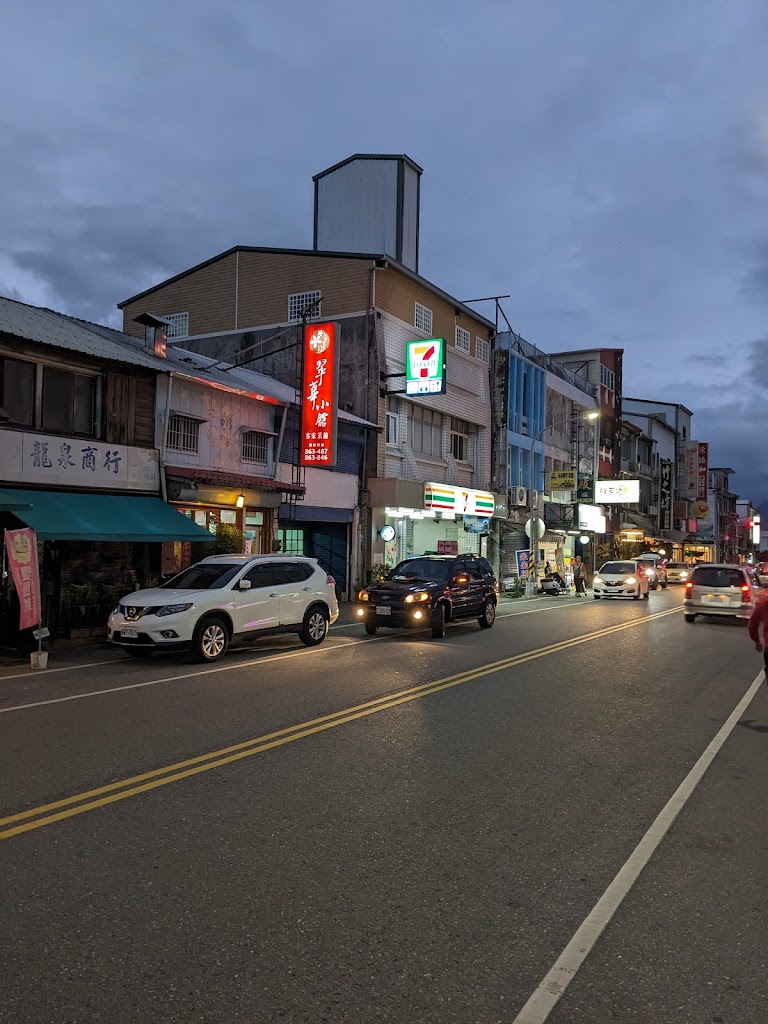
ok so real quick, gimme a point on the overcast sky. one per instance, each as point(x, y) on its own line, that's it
point(603, 161)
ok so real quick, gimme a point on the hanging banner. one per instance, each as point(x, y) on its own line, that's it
point(319, 400)
point(523, 559)
point(21, 546)
point(692, 469)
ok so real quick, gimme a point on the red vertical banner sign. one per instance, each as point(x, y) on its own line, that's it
point(319, 400)
point(702, 471)
point(21, 546)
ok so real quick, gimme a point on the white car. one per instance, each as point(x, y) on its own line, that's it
point(716, 588)
point(227, 599)
point(621, 579)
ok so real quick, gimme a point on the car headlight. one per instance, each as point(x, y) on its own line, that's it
point(597, 579)
point(649, 572)
point(363, 595)
point(631, 579)
point(683, 575)
point(172, 609)
point(422, 596)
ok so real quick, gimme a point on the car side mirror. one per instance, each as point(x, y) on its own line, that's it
point(244, 585)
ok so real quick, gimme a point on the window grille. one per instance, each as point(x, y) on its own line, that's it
point(183, 434)
point(423, 318)
point(462, 339)
point(460, 430)
point(255, 446)
point(299, 301)
point(178, 325)
point(483, 350)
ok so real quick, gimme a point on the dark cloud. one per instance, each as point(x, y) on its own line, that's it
point(605, 163)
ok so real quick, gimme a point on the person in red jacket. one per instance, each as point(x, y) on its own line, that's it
point(760, 614)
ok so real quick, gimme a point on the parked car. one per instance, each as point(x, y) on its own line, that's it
point(655, 569)
point(762, 573)
point(716, 588)
point(431, 590)
point(678, 572)
point(621, 579)
point(227, 599)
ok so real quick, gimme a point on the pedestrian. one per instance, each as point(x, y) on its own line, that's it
point(580, 577)
point(547, 569)
point(760, 614)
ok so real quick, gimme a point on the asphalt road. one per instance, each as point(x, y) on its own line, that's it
point(563, 818)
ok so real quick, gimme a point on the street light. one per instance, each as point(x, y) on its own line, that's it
point(593, 414)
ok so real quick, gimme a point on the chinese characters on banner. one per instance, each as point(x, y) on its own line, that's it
point(665, 494)
point(523, 565)
point(703, 471)
point(319, 401)
point(21, 546)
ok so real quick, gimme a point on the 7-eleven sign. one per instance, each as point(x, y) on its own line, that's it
point(425, 367)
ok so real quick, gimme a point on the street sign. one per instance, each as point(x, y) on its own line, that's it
point(41, 634)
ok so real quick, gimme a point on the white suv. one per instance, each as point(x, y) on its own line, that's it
point(227, 599)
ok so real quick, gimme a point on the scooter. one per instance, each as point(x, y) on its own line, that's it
point(553, 585)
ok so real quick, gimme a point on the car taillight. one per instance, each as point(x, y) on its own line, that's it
point(688, 589)
point(745, 592)
point(330, 581)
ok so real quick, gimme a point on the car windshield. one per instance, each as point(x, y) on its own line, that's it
point(204, 576)
point(710, 576)
point(677, 565)
point(618, 568)
point(425, 569)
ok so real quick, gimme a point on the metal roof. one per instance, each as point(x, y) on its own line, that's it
point(47, 327)
point(369, 156)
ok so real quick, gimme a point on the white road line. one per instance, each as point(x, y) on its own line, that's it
point(119, 660)
point(554, 984)
point(227, 667)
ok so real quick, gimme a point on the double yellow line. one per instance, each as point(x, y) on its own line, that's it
point(93, 799)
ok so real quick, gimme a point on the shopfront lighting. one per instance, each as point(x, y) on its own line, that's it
point(240, 500)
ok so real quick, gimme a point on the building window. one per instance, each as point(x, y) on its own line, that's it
point(391, 420)
point(423, 318)
point(460, 431)
point(183, 434)
point(291, 541)
point(178, 325)
point(69, 402)
point(483, 350)
point(607, 377)
point(462, 339)
point(17, 392)
point(255, 446)
point(425, 429)
point(299, 301)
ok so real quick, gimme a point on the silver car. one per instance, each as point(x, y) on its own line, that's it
point(716, 588)
point(621, 579)
point(678, 572)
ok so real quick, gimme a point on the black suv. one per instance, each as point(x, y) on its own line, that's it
point(431, 590)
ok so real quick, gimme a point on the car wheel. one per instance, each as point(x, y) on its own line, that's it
point(690, 618)
point(371, 628)
point(438, 622)
point(211, 639)
point(144, 653)
point(487, 615)
point(596, 597)
point(314, 629)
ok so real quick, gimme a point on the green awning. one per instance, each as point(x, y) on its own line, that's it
point(62, 515)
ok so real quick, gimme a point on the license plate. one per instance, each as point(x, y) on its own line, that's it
point(128, 633)
point(713, 598)
point(383, 609)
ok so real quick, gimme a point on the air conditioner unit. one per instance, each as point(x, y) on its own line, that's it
point(519, 495)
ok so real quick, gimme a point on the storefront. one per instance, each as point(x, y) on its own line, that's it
point(246, 507)
point(412, 518)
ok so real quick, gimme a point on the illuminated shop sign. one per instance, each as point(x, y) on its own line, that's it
point(425, 367)
point(617, 492)
point(319, 400)
point(444, 498)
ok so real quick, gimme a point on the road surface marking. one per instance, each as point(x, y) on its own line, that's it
point(118, 660)
point(80, 803)
point(554, 984)
point(230, 664)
